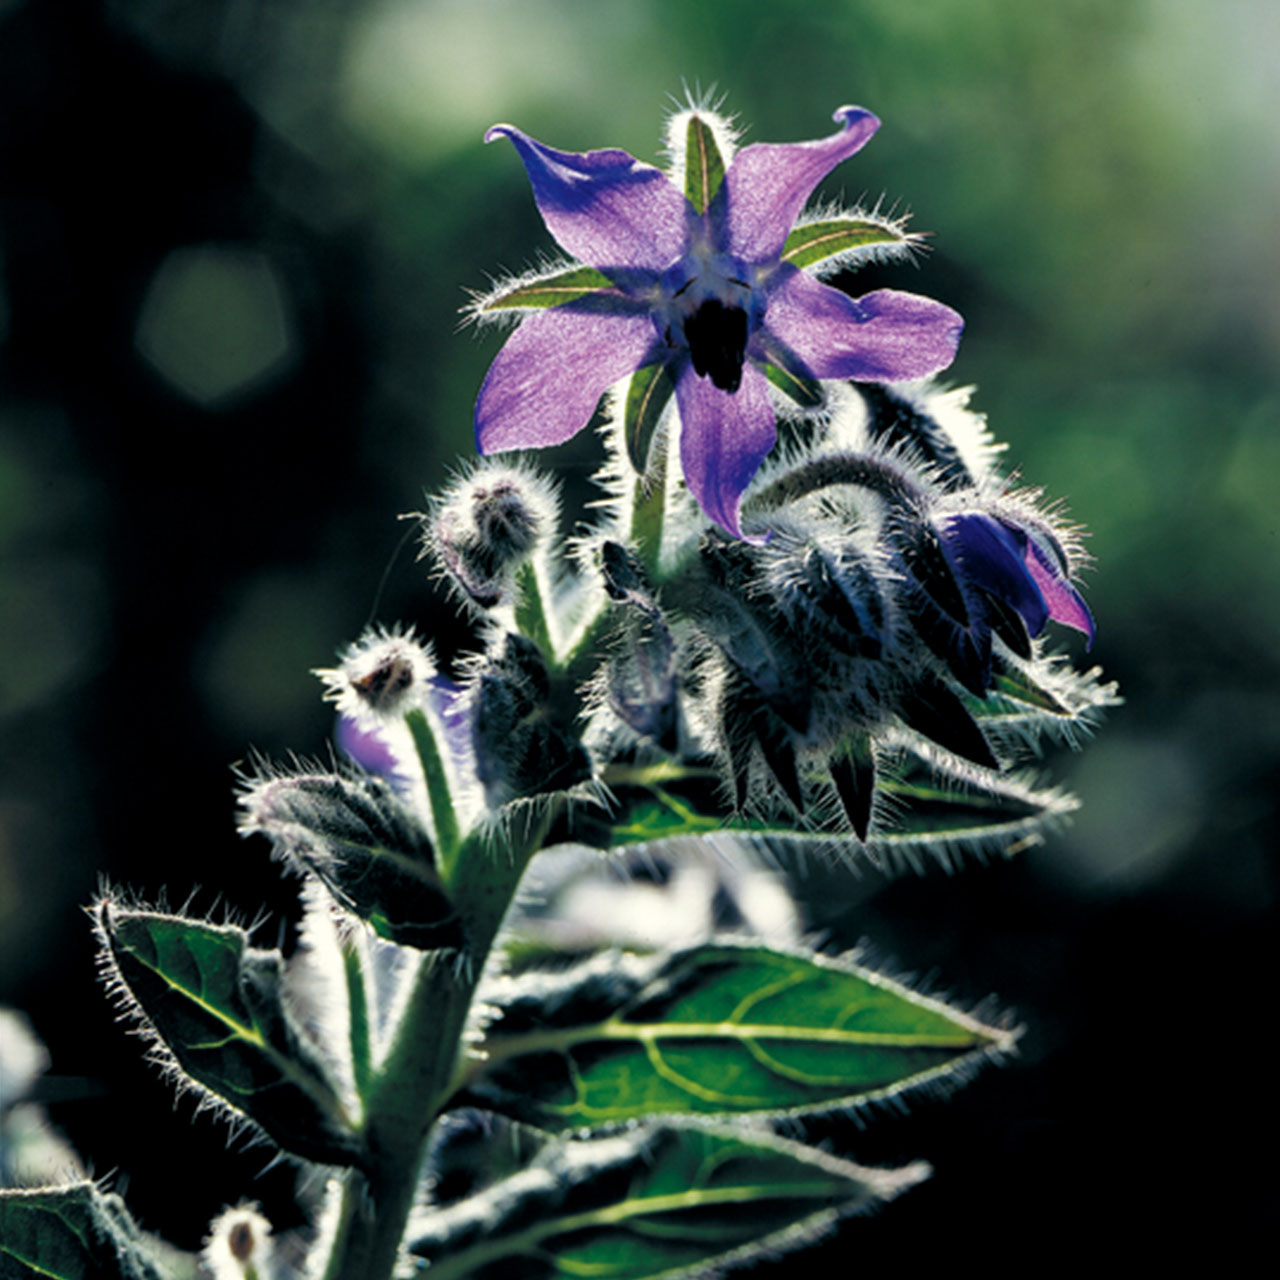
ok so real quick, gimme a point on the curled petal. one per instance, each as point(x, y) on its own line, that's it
point(544, 384)
point(1066, 605)
point(886, 336)
point(768, 183)
point(606, 208)
point(724, 438)
point(991, 554)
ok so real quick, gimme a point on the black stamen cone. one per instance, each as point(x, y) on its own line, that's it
point(717, 338)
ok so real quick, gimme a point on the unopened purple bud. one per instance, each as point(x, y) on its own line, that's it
point(1019, 565)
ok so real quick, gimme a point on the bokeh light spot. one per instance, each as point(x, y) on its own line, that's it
point(216, 324)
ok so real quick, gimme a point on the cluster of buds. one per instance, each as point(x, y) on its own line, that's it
point(884, 617)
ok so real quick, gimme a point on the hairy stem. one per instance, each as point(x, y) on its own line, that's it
point(414, 1082)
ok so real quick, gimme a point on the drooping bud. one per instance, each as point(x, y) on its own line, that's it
point(521, 747)
point(486, 525)
point(640, 680)
point(828, 589)
point(737, 616)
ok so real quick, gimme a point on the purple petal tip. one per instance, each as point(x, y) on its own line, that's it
point(849, 116)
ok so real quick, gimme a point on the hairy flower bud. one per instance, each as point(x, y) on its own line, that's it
point(640, 680)
point(488, 524)
point(521, 747)
point(239, 1246)
point(379, 678)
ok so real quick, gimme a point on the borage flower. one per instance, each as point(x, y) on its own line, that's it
point(696, 280)
point(1022, 568)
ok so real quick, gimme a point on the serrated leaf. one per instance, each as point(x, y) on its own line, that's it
point(719, 1030)
point(814, 242)
point(71, 1233)
point(648, 394)
point(367, 847)
point(216, 1006)
point(668, 1201)
point(568, 285)
point(703, 164)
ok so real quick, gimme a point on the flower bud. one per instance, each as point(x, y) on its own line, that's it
point(379, 678)
point(521, 748)
point(489, 523)
point(239, 1246)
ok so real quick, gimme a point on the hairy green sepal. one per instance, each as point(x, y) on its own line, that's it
point(648, 394)
point(216, 1007)
point(665, 1201)
point(703, 164)
point(570, 285)
point(815, 242)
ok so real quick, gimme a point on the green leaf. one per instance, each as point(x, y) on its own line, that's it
point(937, 813)
point(649, 391)
point(827, 238)
point(365, 844)
point(550, 290)
point(722, 1029)
point(703, 164)
point(666, 1201)
point(71, 1233)
point(924, 809)
point(215, 1009)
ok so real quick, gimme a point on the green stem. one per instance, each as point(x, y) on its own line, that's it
point(413, 1084)
point(533, 618)
point(439, 795)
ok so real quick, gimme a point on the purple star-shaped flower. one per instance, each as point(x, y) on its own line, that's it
point(704, 290)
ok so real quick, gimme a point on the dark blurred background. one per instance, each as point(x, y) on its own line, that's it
point(234, 238)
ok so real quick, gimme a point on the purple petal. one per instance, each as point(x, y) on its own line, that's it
point(723, 440)
point(544, 384)
point(606, 208)
point(886, 336)
point(992, 555)
point(768, 183)
point(366, 746)
point(450, 705)
point(1066, 605)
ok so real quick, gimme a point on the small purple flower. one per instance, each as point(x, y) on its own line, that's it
point(1023, 568)
point(703, 287)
